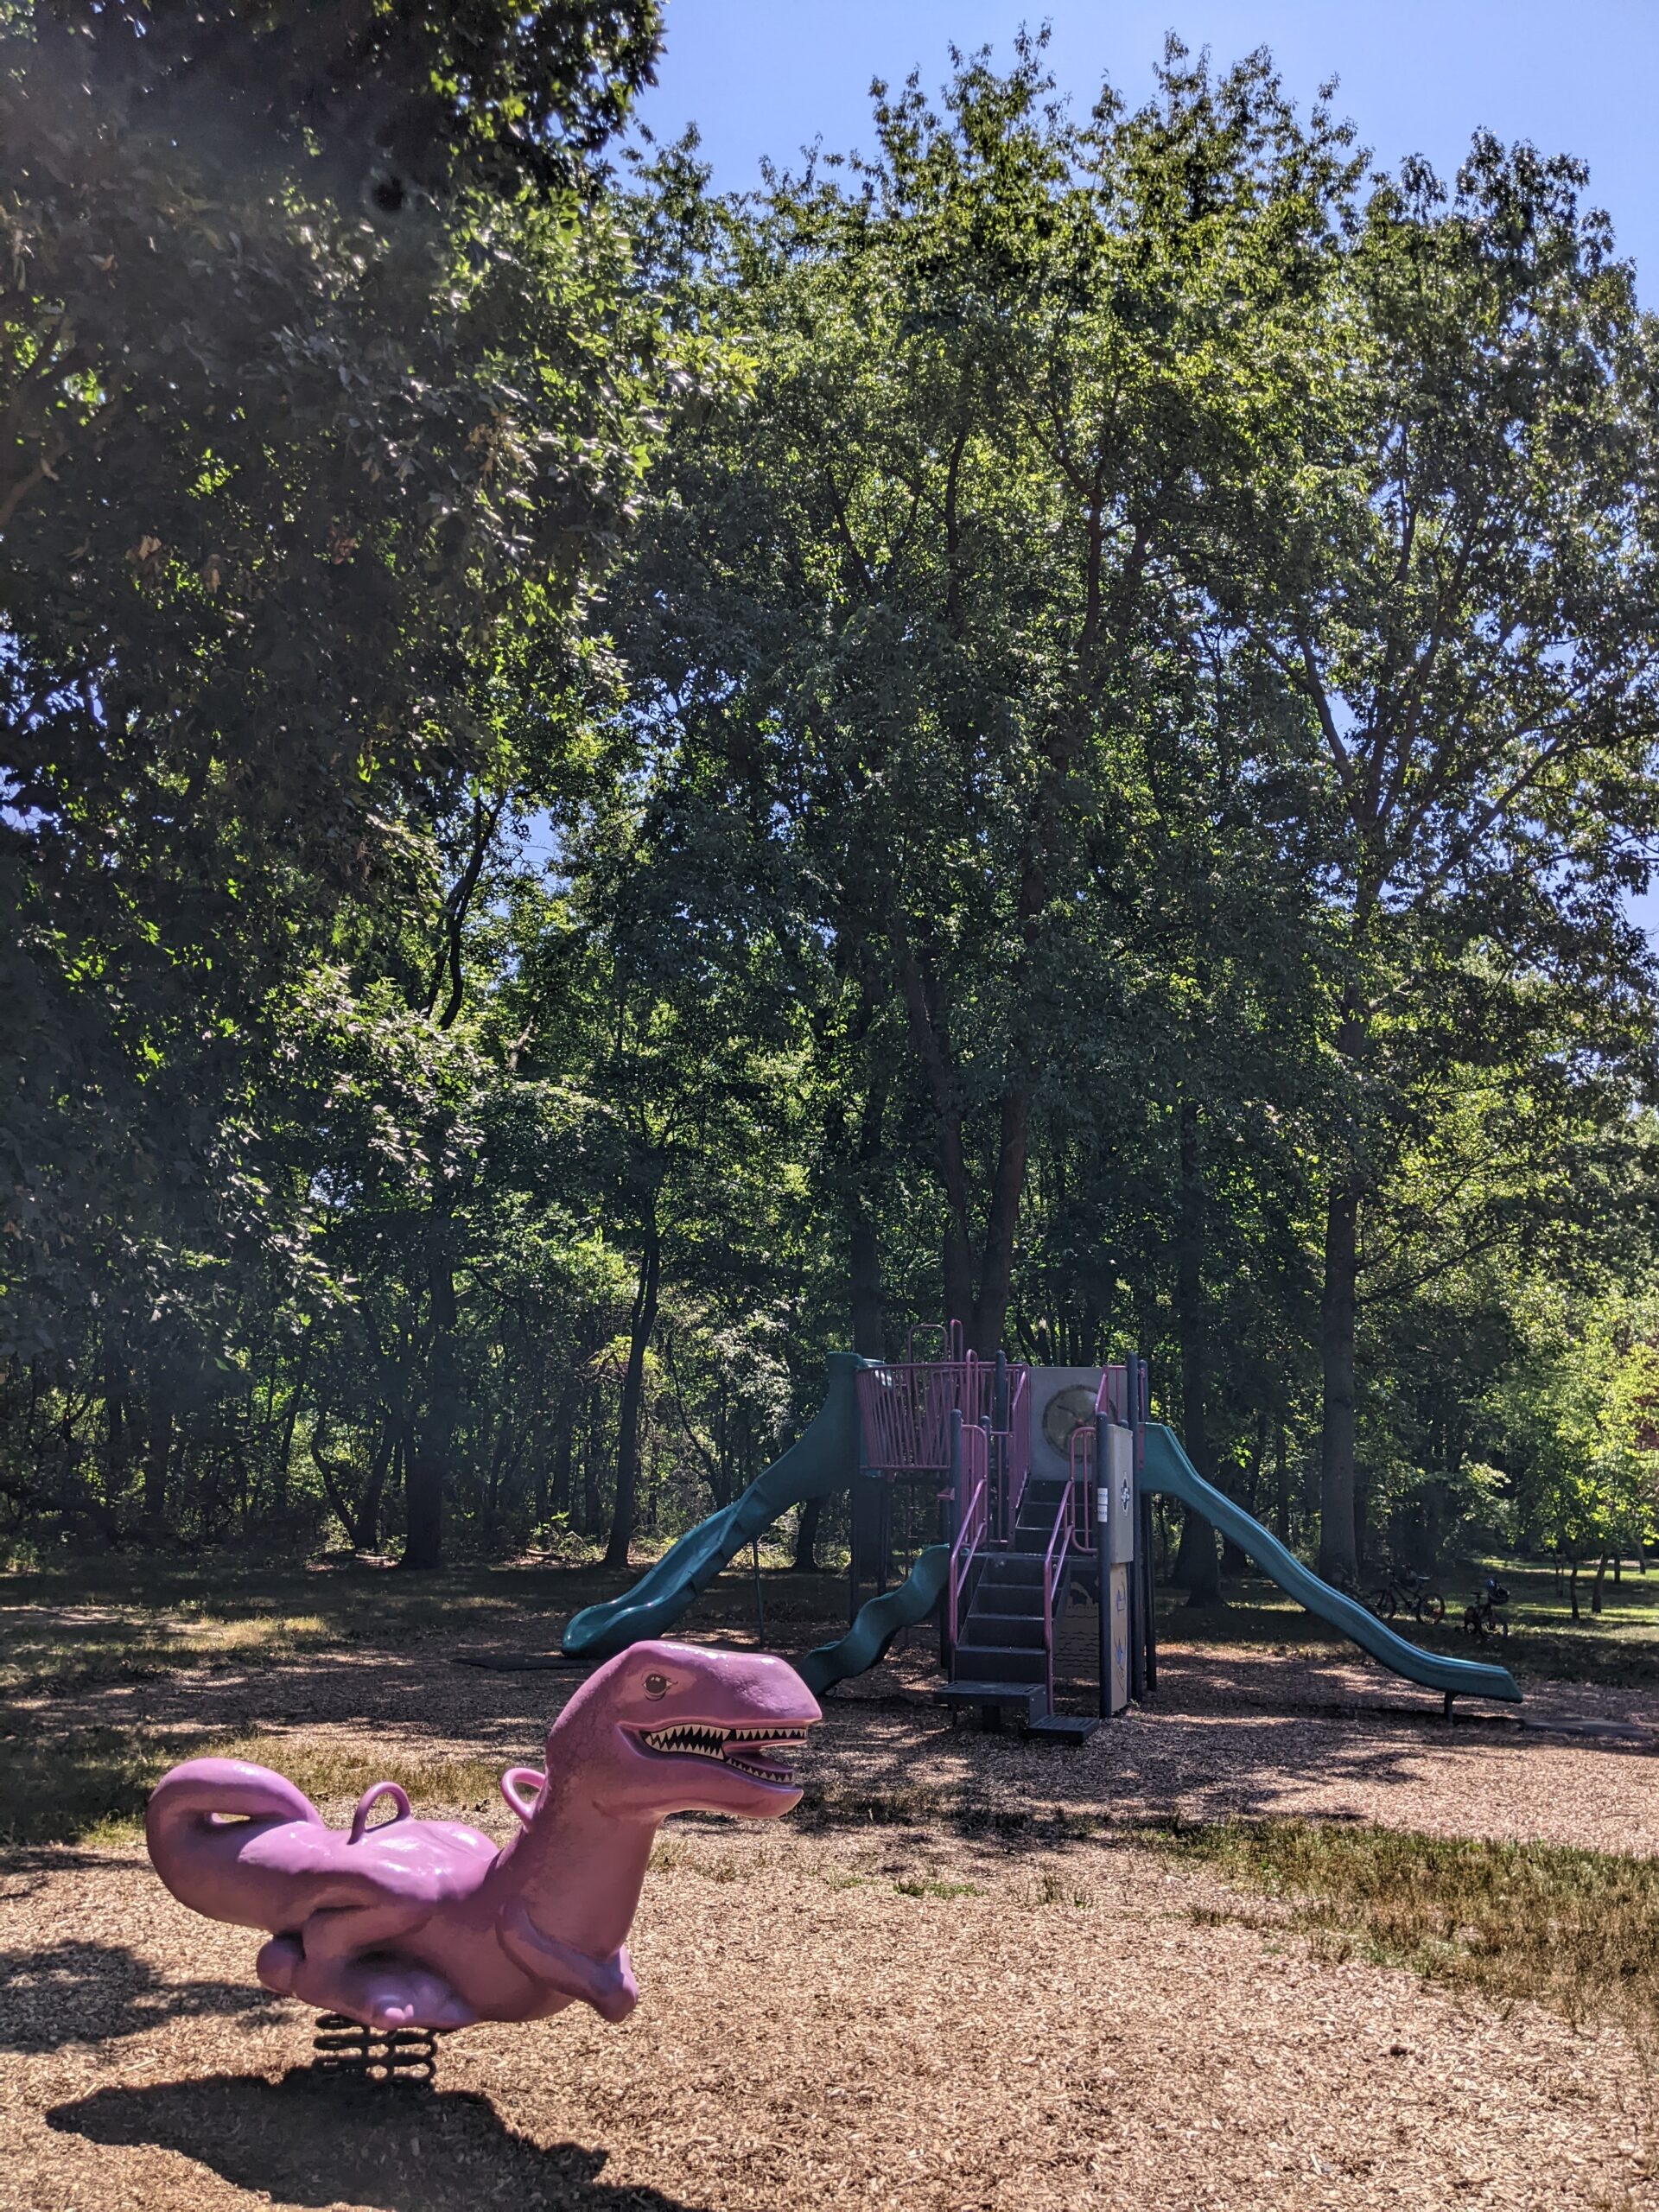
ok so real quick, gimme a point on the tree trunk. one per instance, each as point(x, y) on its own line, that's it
point(1338, 1550)
point(1572, 1587)
point(564, 1425)
point(982, 1307)
point(1282, 1485)
point(990, 1311)
point(1595, 1587)
point(115, 1427)
point(366, 1535)
point(590, 1468)
point(642, 1323)
point(1233, 1560)
point(158, 1445)
point(285, 1449)
point(865, 1286)
point(866, 1296)
point(1197, 1570)
point(428, 1462)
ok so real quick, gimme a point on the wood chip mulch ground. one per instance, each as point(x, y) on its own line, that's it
point(956, 1980)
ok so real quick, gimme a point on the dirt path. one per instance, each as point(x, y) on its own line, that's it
point(1070, 2034)
point(894, 2001)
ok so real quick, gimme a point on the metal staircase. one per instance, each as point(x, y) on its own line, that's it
point(1017, 1540)
point(1011, 1574)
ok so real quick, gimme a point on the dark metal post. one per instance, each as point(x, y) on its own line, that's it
point(759, 1602)
point(1140, 1581)
point(861, 1472)
point(852, 1549)
point(955, 1506)
point(1143, 1400)
point(1103, 1558)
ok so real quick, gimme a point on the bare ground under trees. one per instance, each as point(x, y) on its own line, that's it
point(968, 1973)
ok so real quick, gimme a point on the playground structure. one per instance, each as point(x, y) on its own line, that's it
point(410, 1927)
point(1043, 1478)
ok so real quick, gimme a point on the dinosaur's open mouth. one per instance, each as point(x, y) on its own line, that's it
point(764, 1754)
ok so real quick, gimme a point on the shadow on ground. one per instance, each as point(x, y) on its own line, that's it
point(309, 2141)
point(86, 1992)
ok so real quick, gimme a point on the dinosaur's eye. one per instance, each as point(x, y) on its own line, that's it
point(655, 1685)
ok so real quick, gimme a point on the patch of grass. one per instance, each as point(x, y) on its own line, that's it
point(917, 1888)
point(674, 1855)
point(829, 1805)
point(90, 1785)
point(1617, 1647)
point(1575, 1930)
point(1052, 1887)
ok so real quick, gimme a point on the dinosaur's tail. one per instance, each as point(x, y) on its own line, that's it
point(198, 1819)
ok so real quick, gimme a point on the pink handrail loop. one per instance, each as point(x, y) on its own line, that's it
point(510, 1782)
point(366, 1802)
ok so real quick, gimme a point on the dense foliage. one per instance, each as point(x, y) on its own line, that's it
point(607, 789)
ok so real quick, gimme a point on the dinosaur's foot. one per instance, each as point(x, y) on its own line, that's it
point(384, 1993)
point(278, 1963)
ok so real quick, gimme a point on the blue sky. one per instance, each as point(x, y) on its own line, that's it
point(1417, 76)
point(766, 76)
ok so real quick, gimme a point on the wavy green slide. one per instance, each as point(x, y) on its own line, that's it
point(823, 1459)
point(1168, 1469)
point(865, 1644)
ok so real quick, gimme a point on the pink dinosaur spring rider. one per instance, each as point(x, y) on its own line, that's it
point(424, 1924)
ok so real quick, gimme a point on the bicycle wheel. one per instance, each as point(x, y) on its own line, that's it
point(1384, 1605)
point(1432, 1608)
point(1471, 1623)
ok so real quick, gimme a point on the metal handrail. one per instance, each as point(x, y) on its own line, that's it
point(971, 1534)
point(1070, 1524)
point(1016, 1449)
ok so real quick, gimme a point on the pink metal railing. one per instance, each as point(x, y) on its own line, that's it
point(949, 1333)
point(1071, 1518)
point(905, 1407)
point(1115, 1398)
point(971, 1535)
point(1014, 1452)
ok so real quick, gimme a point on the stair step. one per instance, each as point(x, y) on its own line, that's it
point(1003, 1631)
point(1065, 1728)
point(1019, 1600)
point(1026, 1701)
point(998, 1663)
point(1009, 1570)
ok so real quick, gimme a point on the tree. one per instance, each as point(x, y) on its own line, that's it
point(1574, 1420)
point(1463, 593)
point(318, 401)
point(902, 603)
point(681, 1052)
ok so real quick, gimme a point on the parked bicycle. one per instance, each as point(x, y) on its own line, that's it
point(1487, 1617)
point(1405, 1587)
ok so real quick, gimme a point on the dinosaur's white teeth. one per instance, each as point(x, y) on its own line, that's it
point(689, 1739)
point(699, 1739)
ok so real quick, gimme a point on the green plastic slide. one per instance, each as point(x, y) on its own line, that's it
point(876, 1624)
point(1169, 1470)
point(822, 1460)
